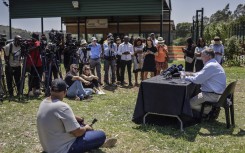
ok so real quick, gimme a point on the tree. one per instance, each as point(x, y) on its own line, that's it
point(183, 29)
point(240, 11)
point(221, 15)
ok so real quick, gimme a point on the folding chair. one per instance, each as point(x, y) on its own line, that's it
point(226, 101)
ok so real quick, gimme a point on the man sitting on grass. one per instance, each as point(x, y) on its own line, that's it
point(74, 81)
point(60, 131)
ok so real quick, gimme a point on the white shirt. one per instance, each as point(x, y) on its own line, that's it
point(14, 57)
point(199, 50)
point(155, 42)
point(212, 77)
point(126, 48)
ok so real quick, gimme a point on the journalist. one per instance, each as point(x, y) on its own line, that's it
point(126, 51)
point(34, 66)
point(75, 87)
point(66, 133)
point(212, 79)
point(83, 52)
point(189, 51)
point(67, 52)
point(118, 61)
point(95, 55)
point(110, 49)
point(12, 56)
point(218, 48)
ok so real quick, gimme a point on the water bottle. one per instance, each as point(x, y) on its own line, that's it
point(182, 76)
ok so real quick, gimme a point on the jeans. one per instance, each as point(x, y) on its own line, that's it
point(95, 64)
point(76, 89)
point(90, 140)
point(107, 65)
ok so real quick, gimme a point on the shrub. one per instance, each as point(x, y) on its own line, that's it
point(232, 52)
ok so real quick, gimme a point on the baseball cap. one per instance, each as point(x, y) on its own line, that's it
point(58, 85)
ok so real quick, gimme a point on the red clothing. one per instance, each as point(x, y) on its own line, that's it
point(162, 53)
point(35, 56)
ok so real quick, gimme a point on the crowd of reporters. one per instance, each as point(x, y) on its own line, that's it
point(40, 60)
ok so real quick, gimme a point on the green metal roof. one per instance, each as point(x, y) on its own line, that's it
point(64, 8)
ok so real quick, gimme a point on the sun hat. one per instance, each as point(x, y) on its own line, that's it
point(216, 38)
point(83, 42)
point(160, 40)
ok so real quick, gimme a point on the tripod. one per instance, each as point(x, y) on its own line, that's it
point(52, 63)
point(22, 81)
point(74, 57)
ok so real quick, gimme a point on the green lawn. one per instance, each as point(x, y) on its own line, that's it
point(114, 111)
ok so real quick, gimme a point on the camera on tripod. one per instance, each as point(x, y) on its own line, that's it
point(26, 45)
point(56, 36)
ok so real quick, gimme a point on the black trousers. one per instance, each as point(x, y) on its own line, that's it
point(34, 77)
point(199, 65)
point(118, 68)
point(11, 72)
point(123, 66)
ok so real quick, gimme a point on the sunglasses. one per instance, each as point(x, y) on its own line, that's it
point(75, 68)
point(87, 69)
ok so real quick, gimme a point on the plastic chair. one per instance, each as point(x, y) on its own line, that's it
point(226, 101)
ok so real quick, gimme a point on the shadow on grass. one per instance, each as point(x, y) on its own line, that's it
point(23, 99)
point(216, 128)
point(110, 88)
point(171, 126)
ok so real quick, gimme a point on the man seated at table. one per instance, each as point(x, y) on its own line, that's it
point(74, 81)
point(212, 79)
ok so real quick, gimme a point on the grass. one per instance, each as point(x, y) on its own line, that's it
point(114, 111)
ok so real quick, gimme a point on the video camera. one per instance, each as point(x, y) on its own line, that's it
point(173, 71)
point(26, 45)
point(56, 36)
point(2, 40)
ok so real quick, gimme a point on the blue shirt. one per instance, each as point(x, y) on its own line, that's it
point(212, 77)
point(110, 50)
point(95, 51)
point(218, 48)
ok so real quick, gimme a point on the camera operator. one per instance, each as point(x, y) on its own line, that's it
point(12, 54)
point(53, 51)
point(83, 53)
point(34, 63)
point(110, 49)
point(67, 52)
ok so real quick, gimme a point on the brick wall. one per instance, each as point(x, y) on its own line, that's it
point(175, 52)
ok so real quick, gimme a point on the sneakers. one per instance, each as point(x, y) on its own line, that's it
point(100, 93)
point(109, 143)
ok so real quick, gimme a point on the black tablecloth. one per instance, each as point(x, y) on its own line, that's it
point(158, 95)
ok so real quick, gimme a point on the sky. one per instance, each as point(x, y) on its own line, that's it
point(182, 11)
